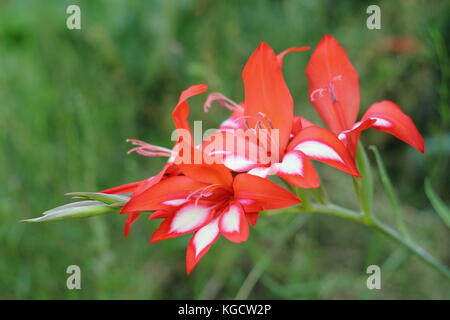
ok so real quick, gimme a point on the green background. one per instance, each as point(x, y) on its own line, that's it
point(70, 98)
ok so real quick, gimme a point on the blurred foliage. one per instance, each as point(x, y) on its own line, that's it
point(70, 98)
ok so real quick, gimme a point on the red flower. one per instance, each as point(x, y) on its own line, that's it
point(209, 201)
point(269, 105)
point(334, 93)
point(180, 118)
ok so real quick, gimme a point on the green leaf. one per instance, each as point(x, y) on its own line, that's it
point(81, 209)
point(390, 192)
point(441, 208)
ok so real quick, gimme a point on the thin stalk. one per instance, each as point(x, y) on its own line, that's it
point(413, 248)
point(377, 225)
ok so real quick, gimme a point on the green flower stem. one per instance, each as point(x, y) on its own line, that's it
point(337, 211)
point(390, 192)
point(413, 248)
point(364, 186)
point(321, 194)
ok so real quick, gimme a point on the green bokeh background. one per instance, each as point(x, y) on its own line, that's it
point(70, 98)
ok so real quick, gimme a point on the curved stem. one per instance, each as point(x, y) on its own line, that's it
point(379, 226)
point(418, 251)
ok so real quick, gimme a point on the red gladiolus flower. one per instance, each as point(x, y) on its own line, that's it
point(334, 93)
point(268, 105)
point(208, 201)
point(180, 118)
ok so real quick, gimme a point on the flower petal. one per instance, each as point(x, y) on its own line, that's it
point(181, 112)
point(391, 119)
point(266, 92)
point(252, 218)
point(262, 172)
point(298, 170)
point(266, 194)
point(187, 219)
point(171, 188)
point(322, 145)
point(131, 218)
point(333, 85)
point(200, 243)
point(233, 223)
point(125, 188)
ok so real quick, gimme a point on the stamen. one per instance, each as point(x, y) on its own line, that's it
point(149, 150)
point(329, 88)
point(221, 100)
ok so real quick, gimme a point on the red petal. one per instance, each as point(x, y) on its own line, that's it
point(208, 173)
point(181, 112)
point(131, 218)
point(233, 223)
point(298, 170)
point(266, 194)
point(298, 124)
point(252, 217)
point(390, 118)
point(177, 187)
point(238, 150)
point(322, 145)
point(200, 244)
point(266, 92)
point(350, 137)
point(186, 219)
point(125, 188)
point(329, 66)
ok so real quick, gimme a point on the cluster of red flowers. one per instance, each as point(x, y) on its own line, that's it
point(224, 198)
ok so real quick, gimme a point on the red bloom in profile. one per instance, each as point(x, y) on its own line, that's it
point(209, 201)
point(180, 118)
point(268, 105)
point(334, 93)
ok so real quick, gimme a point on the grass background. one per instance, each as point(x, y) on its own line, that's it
point(69, 99)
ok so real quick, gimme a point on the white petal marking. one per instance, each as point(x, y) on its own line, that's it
point(261, 172)
point(381, 123)
point(204, 236)
point(237, 163)
point(318, 150)
point(189, 217)
point(292, 164)
point(175, 202)
point(231, 219)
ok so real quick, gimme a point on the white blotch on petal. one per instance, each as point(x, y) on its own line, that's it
point(175, 202)
point(318, 150)
point(292, 164)
point(381, 123)
point(237, 163)
point(231, 219)
point(342, 136)
point(261, 172)
point(204, 236)
point(189, 218)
